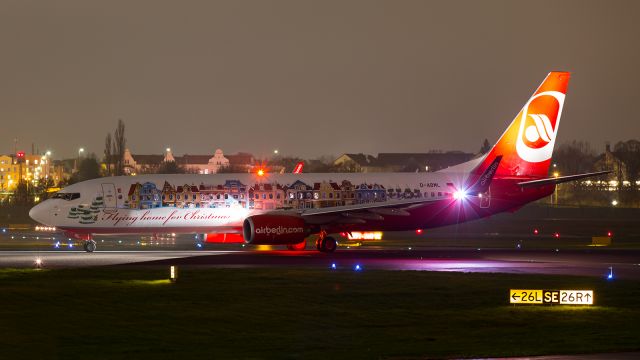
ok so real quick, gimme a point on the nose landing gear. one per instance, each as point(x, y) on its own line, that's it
point(89, 245)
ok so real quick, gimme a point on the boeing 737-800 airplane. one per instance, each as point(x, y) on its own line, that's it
point(285, 209)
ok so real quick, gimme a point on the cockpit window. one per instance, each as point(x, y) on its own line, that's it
point(66, 196)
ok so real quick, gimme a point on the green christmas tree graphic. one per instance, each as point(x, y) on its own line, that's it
point(73, 213)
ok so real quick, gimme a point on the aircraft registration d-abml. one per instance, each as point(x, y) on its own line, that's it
point(285, 209)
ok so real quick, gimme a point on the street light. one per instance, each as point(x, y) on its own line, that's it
point(275, 151)
point(614, 203)
point(80, 151)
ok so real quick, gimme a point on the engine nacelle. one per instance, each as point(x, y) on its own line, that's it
point(274, 229)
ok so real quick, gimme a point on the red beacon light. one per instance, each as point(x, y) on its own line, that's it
point(535, 232)
point(418, 231)
point(556, 235)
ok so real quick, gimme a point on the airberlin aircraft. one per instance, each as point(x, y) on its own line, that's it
point(285, 209)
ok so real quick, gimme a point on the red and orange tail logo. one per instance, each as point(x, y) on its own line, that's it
point(528, 143)
point(298, 168)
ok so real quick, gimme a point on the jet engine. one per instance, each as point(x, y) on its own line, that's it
point(274, 229)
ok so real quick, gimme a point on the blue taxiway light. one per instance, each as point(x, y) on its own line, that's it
point(199, 246)
point(333, 266)
point(357, 267)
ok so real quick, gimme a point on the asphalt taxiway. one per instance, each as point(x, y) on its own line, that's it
point(585, 262)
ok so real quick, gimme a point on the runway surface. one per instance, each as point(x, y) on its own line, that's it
point(588, 262)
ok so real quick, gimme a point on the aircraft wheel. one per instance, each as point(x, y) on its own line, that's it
point(90, 246)
point(329, 244)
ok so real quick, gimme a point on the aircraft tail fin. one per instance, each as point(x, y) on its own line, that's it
point(527, 144)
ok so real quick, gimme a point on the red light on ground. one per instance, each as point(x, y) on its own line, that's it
point(556, 235)
point(609, 234)
point(343, 234)
point(536, 232)
point(260, 172)
point(418, 231)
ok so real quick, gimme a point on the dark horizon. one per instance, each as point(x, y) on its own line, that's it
point(309, 78)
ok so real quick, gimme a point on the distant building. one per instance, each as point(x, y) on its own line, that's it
point(608, 161)
point(197, 164)
point(33, 169)
point(142, 164)
point(402, 162)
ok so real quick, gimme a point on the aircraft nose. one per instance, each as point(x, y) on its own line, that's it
point(40, 213)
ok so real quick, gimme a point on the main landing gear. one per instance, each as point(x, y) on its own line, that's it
point(326, 243)
point(89, 245)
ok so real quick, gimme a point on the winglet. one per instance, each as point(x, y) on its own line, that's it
point(484, 181)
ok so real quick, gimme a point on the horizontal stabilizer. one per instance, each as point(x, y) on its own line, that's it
point(560, 179)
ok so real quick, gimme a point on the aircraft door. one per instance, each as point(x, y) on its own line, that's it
point(109, 194)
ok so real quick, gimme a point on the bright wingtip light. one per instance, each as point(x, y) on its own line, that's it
point(459, 195)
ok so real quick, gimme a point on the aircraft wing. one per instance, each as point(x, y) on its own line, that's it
point(367, 206)
point(560, 179)
point(360, 213)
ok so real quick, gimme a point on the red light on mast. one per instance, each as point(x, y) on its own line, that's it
point(535, 232)
point(609, 234)
point(20, 154)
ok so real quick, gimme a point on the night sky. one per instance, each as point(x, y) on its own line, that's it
point(309, 77)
